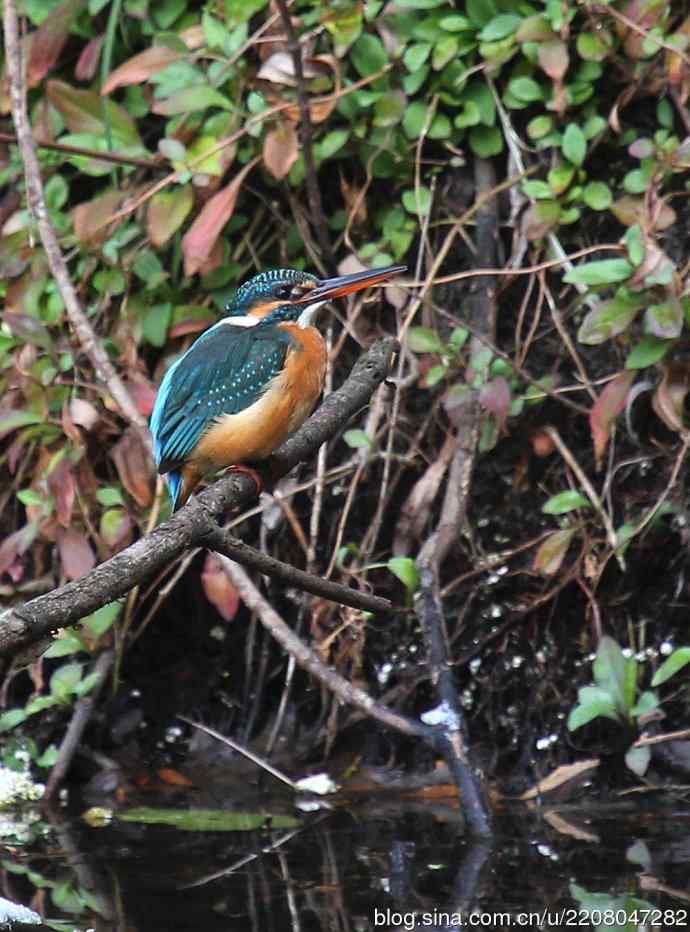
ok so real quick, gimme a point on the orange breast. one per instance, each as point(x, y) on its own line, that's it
point(253, 434)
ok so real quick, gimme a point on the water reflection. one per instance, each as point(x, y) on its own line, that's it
point(382, 864)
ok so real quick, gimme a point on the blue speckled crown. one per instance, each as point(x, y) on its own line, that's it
point(261, 287)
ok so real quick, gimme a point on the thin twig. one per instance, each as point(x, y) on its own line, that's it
point(585, 483)
point(308, 660)
point(245, 752)
point(229, 546)
point(151, 164)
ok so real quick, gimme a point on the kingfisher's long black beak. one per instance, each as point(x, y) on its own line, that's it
point(347, 284)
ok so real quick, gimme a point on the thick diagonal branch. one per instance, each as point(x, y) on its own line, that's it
point(193, 524)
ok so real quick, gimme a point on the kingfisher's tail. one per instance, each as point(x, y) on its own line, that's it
point(175, 481)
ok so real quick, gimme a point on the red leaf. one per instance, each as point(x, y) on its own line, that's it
point(134, 467)
point(16, 544)
point(219, 590)
point(49, 39)
point(199, 240)
point(553, 58)
point(144, 394)
point(88, 60)
point(606, 409)
point(668, 400)
point(173, 777)
point(91, 217)
point(281, 150)
point(141, 67)
point(495, 397)
point(167, 212)
point(63, 489)
point(76, 555)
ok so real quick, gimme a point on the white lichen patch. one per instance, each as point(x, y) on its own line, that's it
point(16, 787)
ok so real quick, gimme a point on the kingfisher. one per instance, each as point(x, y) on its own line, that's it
point(250, 380)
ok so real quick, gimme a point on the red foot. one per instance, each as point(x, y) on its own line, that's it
point(252, 473)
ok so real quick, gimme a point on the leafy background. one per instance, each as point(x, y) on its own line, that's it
point(580, 111)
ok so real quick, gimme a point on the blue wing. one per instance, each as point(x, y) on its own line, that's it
point(225, 371)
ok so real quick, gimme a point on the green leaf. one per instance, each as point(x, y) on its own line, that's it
point(564, 502)
point(109, 497)
point(616, 673)
point(597, 195)
point(593, 702)
point(574, 144)
point(424, 340)
point(601, 272)
point(678, 659)
point(68, 643)
point(414, 119)
point(648, 702)
point(190, 100)
point(468, 116)
point(406, 571)
point(486, 141)
point(560, 177)
point(64, 681)
point(155, 322)
point(12, 420)
point(357, 439)
point(647, 352)
point(591, 47)
point(49, 756)
point(149, 268)
point(102, 619)
point(56, 192)
point(526, 90)
point(664, 320)
point(445, 50)
point(539, 127)
point(11, 719)
point(368, 54)
point(608, 319)
point(417, 202)
point(435, 375)
point(479, 94)
point(331, 143)
point(415, 55)
point(634, 242)
point(637, 759)
point(480, 12)
point(537, 190)
point(87, 684)
point(215, 32)
point(390, 108)
point(505, 24)
point(209, 820)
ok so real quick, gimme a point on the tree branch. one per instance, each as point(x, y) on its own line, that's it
point(222, 542)
point(104, 369)
point(193, 524)
point(309, 661)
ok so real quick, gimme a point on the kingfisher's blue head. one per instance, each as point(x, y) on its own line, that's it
point(290, 295)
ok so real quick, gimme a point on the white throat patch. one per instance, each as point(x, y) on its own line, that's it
point(308, 315)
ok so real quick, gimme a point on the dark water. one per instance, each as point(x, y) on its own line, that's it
point(380, 864)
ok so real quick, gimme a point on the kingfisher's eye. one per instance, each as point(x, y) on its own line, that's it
point(283, 292)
